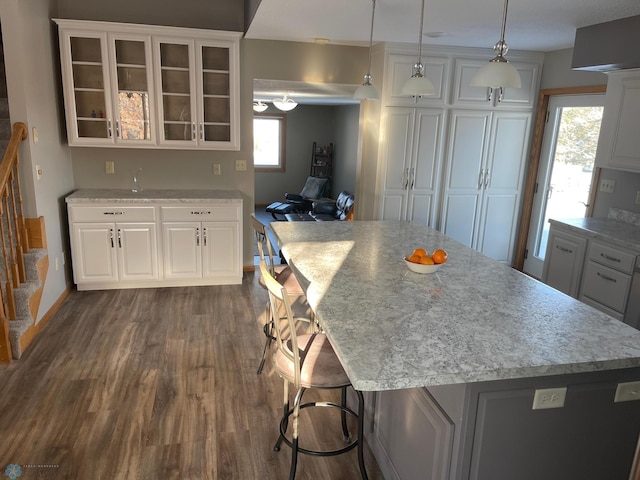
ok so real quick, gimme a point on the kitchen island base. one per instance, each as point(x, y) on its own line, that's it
point(489, 431)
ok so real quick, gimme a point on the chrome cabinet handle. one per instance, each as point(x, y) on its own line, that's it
point(612, 259)
point(500, 94)
point(109, 131)
point(200, 212)
point(405, 179)
point(480, 177)
point(486, 178)
point(606, 277)
point(119, 238)
point(413, 178)
point(113, 213)
point(118, 129)
point(489, 94)
point(193, 131)
point(204, 236)
point(202, 132)
point(197, 236)
point(111, 236)
point(563, 249)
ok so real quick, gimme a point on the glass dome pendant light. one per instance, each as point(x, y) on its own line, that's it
point(418, 85)
point(498, 73)
point(366, 91)
point(259, 106)
point(285, 104)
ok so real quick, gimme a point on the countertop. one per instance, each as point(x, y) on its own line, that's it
point(616, 232)
point(152, 196)
point(474, 320)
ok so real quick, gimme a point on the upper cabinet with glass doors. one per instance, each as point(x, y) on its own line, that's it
point(150, 87)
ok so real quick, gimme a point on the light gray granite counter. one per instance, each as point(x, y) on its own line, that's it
point(616, 232)
point(155, 196)
point(474, 320)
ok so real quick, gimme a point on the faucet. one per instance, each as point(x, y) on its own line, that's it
point(137, 187)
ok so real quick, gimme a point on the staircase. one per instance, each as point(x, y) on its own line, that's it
point(23, 255)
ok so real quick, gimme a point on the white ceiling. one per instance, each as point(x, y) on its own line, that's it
point(540, 25)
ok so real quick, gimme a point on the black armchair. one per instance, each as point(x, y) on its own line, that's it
point(314, 189)
point(342, 209)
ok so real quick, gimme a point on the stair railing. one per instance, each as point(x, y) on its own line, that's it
point(13, 235)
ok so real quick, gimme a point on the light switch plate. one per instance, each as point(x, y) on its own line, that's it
point(241, 165)
point(216, 169)
point(607, 186)
point(109, 167)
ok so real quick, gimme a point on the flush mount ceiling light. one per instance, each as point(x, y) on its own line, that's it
point(366, 91)
point(285, 104)
point(259, 106)
point(418, 85)
point(498, 73)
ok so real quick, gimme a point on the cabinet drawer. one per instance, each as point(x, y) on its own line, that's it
point(200, 212)
point(612, 257)
point(606, 286)
point(112, 214)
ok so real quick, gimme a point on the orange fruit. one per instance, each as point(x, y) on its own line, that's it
point(440, 256)
point(426, 260)
point(421, 252)
point(414, 258)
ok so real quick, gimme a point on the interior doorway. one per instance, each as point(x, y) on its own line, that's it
point(564, 181)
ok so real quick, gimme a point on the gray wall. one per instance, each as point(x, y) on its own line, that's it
point(557, 73)
point(33, 84)
point(307, 124)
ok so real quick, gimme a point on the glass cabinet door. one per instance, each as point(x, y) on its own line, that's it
point(89, 87)
point(216, 94)
point(132, 94)
point(178, 116)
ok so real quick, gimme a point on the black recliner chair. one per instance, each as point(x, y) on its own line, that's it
point(342, 209)
point(314, 189)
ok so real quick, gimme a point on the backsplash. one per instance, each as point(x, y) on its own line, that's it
point(624, 216)
point(627, 184)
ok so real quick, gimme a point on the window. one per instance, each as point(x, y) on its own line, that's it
point(269, 142)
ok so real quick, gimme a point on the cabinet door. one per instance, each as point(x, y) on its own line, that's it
point(221, 254)
point(619, 143)
point(464, 180)
point(132, 78)
point(182, 251)
point(396, 160)
point(94, 254)
point(502, 183)
point(465, 94)
point(137, 251)
point(86, 85)
point(563, 262)
point(400, 69)
point(218, 106)
point(176, 84)
point(425, 166)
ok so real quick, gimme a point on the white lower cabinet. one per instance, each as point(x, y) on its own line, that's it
point(563, 262)
point(199, 244)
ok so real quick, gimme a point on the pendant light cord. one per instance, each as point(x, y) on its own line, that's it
point(420, 34)
point(373, 13)
point(504, 20)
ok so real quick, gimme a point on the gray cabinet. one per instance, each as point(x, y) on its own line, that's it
point(563, 261)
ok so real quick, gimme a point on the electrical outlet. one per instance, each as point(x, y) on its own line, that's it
point(241, 165)
point(216, 169)
point(607, 186)
point(638, 197)
point(109, 167)
point(627, 392)
point(549, 398)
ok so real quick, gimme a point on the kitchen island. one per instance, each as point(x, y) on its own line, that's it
point(455, 358)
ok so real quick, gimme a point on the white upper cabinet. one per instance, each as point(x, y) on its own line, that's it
point(466, 95)
point(400, 68)
point(619, 143)
point(149, 87)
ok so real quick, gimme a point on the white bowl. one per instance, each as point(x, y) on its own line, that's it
point(420, 268)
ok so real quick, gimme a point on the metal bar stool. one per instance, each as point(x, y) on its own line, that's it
point(308, 361)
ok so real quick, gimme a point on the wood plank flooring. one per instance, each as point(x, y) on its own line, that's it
point(157, 384)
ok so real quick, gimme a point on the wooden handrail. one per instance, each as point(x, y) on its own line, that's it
point(13, 234)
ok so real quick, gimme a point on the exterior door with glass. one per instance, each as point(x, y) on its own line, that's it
point(565, 172)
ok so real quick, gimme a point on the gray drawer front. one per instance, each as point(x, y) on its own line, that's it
point(612, 257)
point(606, 286)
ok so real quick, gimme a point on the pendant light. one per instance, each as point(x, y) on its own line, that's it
point(418, 85)
point(259, 106)
point(285, 104)
point(366, 91)
point(498, 73)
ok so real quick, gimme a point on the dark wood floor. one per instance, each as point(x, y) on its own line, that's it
point(155, 384)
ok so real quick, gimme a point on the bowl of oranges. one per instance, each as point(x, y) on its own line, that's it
point(420, 261)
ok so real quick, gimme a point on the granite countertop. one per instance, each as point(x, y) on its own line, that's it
point(616, 232)
point(148, 196)
point(474, 320)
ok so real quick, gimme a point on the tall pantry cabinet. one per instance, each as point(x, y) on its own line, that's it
point(455, 160)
